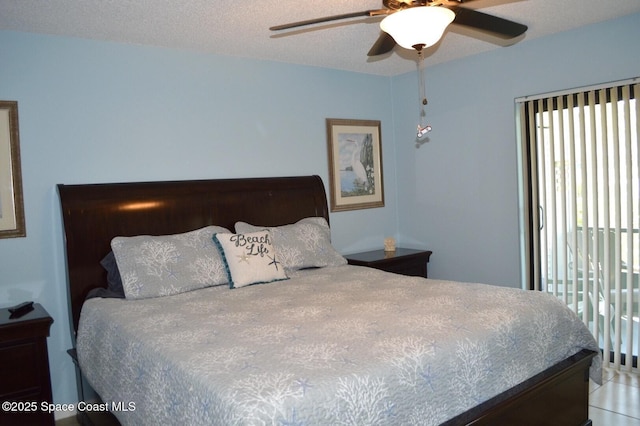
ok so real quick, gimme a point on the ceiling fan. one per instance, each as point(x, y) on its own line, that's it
point(416, 24)
point(471, 18)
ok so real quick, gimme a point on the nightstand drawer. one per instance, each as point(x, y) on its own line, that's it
point(24, 366)
point(401, 261)
point(407, 268)
point(15, 377)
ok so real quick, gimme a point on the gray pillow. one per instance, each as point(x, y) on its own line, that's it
point(304, 244)
point(152, 266)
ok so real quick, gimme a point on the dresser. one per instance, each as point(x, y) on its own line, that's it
point(25, 382)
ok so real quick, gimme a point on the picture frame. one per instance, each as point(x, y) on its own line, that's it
point(355, 164)
point(12, 223)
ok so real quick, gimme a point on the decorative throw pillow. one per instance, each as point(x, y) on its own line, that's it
point(152, 266)
point(250, 258)
point(304, 244)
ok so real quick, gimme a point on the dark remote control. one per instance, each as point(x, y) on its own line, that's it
point(21, 309)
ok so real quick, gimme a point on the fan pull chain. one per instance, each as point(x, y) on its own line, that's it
point(423, 129)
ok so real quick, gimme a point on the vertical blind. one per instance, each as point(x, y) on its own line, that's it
point(582, 183)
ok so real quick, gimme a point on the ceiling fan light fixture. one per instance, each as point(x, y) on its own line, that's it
point(417, 27)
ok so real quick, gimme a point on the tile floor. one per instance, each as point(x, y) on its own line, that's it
point(617, 401)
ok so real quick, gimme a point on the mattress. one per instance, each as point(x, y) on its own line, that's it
point(337, 345)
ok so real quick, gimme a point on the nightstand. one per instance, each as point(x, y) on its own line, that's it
point(24, 367)
point(401, 261)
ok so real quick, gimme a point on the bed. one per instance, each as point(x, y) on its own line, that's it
point(325, 343)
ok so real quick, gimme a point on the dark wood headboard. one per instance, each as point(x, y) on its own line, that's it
point(94, 214)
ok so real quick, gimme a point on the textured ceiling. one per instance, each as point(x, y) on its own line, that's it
point(240, 28)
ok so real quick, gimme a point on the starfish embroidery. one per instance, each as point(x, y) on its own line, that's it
point(428, 377)
point(274, 262)
point(243, 258)
point(304, 385)
point(171, 273)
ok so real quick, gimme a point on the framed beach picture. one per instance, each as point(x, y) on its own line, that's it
point(355, 164)
point(11, 203)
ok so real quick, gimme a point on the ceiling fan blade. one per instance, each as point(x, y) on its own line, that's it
point(492, 24)
point(325, 19)
point(384, 44)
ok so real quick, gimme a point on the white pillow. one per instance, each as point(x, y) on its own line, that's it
point(304, 244)
point(152, 266)
point(250, 258)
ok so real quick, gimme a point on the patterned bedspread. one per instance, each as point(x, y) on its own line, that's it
point(334, 346)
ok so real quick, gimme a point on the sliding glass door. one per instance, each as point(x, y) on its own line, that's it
point(581, 209)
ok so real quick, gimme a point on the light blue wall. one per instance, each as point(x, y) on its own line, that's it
point(102, 112)
point(458, 193)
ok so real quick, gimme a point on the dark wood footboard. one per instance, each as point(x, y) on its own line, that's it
point(557, 396)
